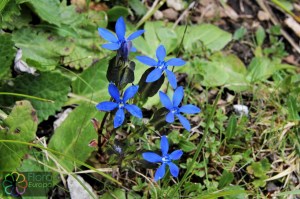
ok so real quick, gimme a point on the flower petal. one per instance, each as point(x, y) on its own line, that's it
point(185, 123)
point(114, 92)
point(111, 46)
point(170, 117)
point(175, 155)
point(120, 28)
point(135, 34)
point(152, 157)
point(106, 106)
point(165, 100)
point(173, 169)
point(159, 174)
point(154, 75)
point(172, 78)
point(119, 118)
point(164, 145)
point(190, 109)
point(132, 49)
point(177, 96)
point(130, 92)
point(146, 60)
point(175, 62)
point(134, 110)
point(107, 35)
point(161, 53)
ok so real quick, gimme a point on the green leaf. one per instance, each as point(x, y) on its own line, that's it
point(293, 110)
point(72, 137)
point(231, 128)
point(48, 85)
point(211, 36)
point(120, 194)
point(239, 33)
point(20, 125)
point(168, 38)
point(9, 14)
point(117, 11)
point(186, 145)
point(42, 50)
point(226, 178)
point(260, 36)
point(7, 53)
point(92, 83)
point(46, 10)
point(138, 7)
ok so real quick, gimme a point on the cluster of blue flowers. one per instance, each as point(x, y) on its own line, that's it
point(123, 46)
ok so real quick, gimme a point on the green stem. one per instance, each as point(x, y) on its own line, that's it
point(189, 168)
point(156, 5)
point(26, 96)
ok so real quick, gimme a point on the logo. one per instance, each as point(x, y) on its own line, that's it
point(14, 184)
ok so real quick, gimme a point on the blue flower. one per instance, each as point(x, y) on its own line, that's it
point(120, 43)
point(175, 110)
point(120, 104)
point(165, 159)
point(161, 66)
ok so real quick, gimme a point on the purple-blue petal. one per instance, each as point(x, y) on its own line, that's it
point(132, 49)
point(106, 106)
point(120, 28)
point(175, 62)
point(175, 155)
point(154, 75)
point(177, 96)
point(185, 123)
point(159, 174)
point(147, 60)
point(170, 117)
point(161, 53)
point(164, 145)
point(172, 78)
point(189, 109)
point(107, 35)
point(165, 100)
point(111, 46)
point(114, 92)
point(119, 118)
point(152, 157)
point(130, 92)
point(134, 110)
point(135, 34)
point(174, 170)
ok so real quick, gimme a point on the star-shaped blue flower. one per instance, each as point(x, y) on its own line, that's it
point(120, 104)
point(161, 65)
point(165, 159)
point(174, 108)
point(120, 43)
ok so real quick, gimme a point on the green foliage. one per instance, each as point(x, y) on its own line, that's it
point(7, 53)
point(116, 12)
point(20, 125)
point(9, 12)
point(73, 136)
point(48, 85)
point(259, 170)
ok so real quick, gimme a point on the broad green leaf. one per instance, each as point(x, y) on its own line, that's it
point(226, 178)
point(40, 49)
point(7, 53)
point(186, 145)
point(260, 36)
point(117, 11)
point(239, 33)
point(138, 7)
point(20, 125)
point(46, 10)
point(168, 38)
point(48, 85)
point(231, 127)
point(9, 14)
point(211, 36)
point(92, 83)
point(72, 137)
point(293, 110)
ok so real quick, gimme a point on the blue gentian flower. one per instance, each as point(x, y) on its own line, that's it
point(165, 159)
point(120, 104)
point(161, 65)
point(174, 108)
point(120, 43)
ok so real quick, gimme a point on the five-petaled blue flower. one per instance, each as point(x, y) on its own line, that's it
point(165, 159)
point(120, 43)
point(175, 110)
point(120, 104)
point(161, 65)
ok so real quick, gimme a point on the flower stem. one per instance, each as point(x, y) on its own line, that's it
point(190, 166)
